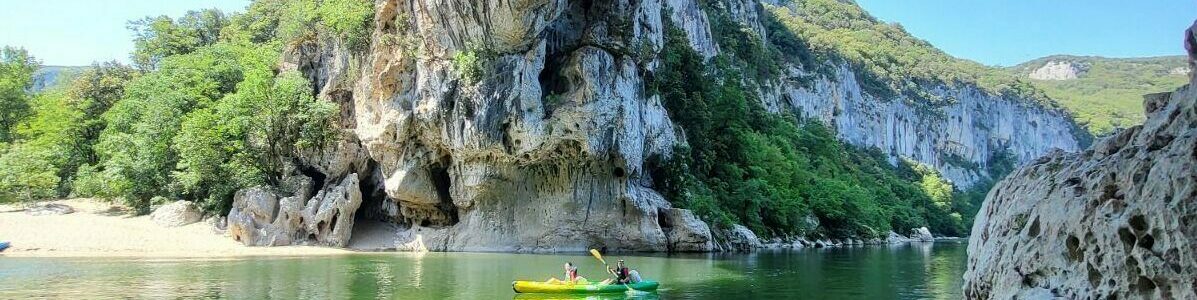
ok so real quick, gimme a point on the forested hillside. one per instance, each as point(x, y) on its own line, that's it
point(1107, 93)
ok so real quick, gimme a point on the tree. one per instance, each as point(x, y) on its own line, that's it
point(158, 37)
point(16, 78)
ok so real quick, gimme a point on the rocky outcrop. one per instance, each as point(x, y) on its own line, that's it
point(1115, 221)
point(528, 126)
point(1059, 70)
point(261, 217)
point(176, 214)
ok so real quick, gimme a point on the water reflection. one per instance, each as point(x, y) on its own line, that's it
point(897, 272)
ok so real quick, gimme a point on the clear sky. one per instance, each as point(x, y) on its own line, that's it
point(1008, 32)
point(79, 32)
point(994, 32)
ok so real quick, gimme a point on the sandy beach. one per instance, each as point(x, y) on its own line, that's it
point(100, 229)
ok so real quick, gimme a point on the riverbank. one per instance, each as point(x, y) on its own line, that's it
point(101, 229)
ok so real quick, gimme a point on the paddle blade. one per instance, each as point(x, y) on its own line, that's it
point(597, 255)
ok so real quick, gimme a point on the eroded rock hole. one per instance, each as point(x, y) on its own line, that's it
point(332, 225)
point(663, 221)
point(1125, 235)
point(1145, 284)
point(317, 177)
point(1074, 248)
point(1138, 223)
point(1033, 231)
point(619, 172)
point(1147, 241)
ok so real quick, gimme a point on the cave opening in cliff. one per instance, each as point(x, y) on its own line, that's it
point(442, 182)
point(317, 177)
point(375, 204)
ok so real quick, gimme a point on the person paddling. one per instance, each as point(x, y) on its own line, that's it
point(623, 274)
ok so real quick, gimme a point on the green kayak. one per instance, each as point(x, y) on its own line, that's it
point(591, 288)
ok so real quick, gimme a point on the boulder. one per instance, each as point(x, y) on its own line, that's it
point(921, 234)
point(177, 213)
point(260, 217)
point(685, 232)
point(738, 239)
point(49, 209)
point(895, 238)
point(1115, 221)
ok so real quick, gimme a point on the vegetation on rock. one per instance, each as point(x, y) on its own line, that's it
point(773, 172)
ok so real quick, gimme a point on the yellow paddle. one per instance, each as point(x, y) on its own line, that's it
point(596, 254)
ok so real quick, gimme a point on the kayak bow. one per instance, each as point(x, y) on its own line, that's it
point(592, 288)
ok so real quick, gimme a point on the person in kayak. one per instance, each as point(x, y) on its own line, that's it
point(571, 275)
point(623, 275)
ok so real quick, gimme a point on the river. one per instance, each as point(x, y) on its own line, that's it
point(915, 271)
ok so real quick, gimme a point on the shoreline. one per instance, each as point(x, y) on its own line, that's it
point(98, 229)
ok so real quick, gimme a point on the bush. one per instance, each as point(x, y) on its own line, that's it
point(468, 64)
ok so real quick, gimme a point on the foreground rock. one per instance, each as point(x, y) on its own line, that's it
point(176, 214)
point(1116, 221)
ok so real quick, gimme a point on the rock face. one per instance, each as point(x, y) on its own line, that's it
point(1059, 70)
point(260, 217)
point(1115, 221)
point(542, 142)
point(177, 213)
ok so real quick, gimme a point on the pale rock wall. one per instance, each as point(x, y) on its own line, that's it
point(1058, 70)
point(546, 150)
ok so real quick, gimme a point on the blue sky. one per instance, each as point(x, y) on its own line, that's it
point(1008, 32)
point(993, 32)
point(79, 32)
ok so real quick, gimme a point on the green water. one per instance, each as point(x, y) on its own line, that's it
point(927, 271)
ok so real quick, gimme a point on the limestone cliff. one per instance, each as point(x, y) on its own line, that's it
point(1115, 221)
point(526, 125)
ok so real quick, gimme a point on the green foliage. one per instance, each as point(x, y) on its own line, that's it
point(1109, 95)
point(16, 78)
point(770, 172)
point(888, 60)
point(469, 65)
point(744, 44)
point(293, 21)
point(26, 174)
point(349, 19)
point(247, 138)
point(159, 37)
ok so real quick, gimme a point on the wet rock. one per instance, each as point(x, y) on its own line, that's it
point(177, 213)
